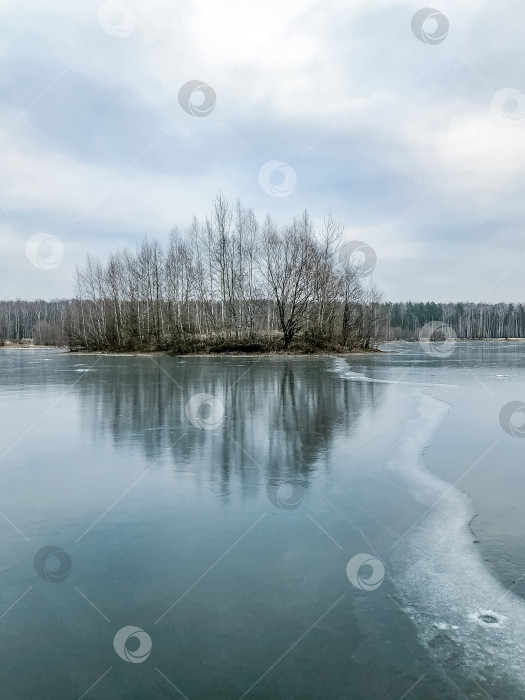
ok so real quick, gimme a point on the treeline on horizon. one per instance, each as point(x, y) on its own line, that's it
point(231, 282)
point(49, 322)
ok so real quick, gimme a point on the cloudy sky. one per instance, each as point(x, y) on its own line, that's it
point(410, 132)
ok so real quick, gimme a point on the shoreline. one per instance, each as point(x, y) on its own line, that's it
point(164, 353)
point(15, 346)
point(64, 350)
point(137, 353)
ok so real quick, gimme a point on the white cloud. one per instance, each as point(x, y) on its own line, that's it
point(378, 111)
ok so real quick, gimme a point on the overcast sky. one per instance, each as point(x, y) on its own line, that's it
point(410, 142)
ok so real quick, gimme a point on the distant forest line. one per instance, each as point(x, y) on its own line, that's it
point(231, 282)
point(51, 322)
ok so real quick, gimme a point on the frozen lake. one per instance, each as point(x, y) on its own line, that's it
point(218, 506)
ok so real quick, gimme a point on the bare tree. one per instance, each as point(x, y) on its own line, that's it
point(227, 282)
point(290, 261)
